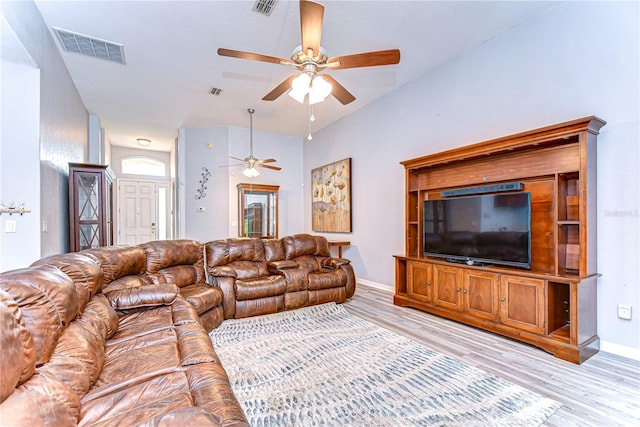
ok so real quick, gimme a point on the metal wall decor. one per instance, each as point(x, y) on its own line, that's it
point(202, 191)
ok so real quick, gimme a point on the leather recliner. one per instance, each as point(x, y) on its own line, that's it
point(261, 276)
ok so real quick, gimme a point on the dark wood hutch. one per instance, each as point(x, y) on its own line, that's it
point(553, 304)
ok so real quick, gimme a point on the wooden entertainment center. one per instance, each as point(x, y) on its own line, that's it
point(553, 304)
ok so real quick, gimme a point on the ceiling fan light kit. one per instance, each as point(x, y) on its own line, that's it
point(250, 172)
point(317, 88)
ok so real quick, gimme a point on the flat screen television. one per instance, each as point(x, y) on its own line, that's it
point(480, 229)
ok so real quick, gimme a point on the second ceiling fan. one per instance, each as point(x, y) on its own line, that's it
point(310, 59)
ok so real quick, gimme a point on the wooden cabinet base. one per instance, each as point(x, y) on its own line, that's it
point(558, 347)
point(552, 303)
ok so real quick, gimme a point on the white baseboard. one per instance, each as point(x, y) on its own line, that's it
point(380, 286)
point(609, 347)
point(620, 350)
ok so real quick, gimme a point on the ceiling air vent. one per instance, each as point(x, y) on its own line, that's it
point(216, 91)
point(264, 7)
point(90, 46)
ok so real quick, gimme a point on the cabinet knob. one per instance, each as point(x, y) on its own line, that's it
point(428, 283)
point(465, 291)
point(457, 289)
point(502, 299)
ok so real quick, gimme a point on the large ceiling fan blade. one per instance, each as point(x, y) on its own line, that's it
point(252, 56)
point(268, 161)
point(368, 59)
point(275, 168)
point(311, 16)
point(338, 91)
point(236, 158)
point(280, 89)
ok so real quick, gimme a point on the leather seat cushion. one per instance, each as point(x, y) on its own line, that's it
point(327, 279)
point(136, 403)
point(202, 296)
point(261, 287)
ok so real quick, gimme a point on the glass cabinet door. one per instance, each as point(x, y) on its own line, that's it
point(90, 210)
point(88, 187)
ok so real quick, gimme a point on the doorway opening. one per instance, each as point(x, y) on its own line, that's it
point(144, 211)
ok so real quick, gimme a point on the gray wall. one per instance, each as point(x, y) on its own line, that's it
point(211, 148)
point(576, 60)
point(63, 127)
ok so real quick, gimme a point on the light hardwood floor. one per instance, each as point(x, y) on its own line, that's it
point(603, 391)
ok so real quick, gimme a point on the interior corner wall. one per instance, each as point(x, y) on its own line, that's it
point(206, 206)
point(215, 216)
point(575, 60)
point(63, 123)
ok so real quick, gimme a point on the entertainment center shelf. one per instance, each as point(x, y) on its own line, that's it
point(553, 303)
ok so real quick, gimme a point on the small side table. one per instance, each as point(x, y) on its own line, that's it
point(339, 245)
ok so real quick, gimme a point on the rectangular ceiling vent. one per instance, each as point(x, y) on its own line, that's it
point(264, 7)
point(90, 46)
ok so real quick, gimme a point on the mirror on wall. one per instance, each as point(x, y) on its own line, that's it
point(258, 210)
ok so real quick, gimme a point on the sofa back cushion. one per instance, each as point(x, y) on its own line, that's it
point(273, 250)
point(119, 261)
point(48, 301)
point(223, 252)
point(305, 244)
point(83, 269)
point(180, 261)
point(17, 354)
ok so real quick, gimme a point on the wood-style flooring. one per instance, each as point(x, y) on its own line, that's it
point(603, 391)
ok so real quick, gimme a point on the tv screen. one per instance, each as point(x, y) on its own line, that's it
point(482, 229)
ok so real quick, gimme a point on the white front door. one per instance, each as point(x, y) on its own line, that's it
point(139, 203)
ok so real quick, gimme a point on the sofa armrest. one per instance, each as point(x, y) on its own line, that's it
point(334, 263)
point(141, 296)
point(228, 287)
point(276, 267)
point(223, 271)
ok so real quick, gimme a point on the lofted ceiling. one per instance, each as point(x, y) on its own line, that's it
point(171, 63)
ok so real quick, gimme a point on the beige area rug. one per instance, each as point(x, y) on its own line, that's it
point(321, 365)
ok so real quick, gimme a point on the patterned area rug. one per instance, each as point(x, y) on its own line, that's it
point(321, 365)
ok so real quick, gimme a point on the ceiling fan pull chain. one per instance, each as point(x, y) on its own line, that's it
point(311, 118)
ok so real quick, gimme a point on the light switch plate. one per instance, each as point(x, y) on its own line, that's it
point(10, 226)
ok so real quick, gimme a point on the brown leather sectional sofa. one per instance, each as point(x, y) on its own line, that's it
point(118, 335)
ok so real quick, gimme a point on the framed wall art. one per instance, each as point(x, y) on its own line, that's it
point(331, 197)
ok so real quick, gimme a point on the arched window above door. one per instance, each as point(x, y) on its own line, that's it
point(138, 165)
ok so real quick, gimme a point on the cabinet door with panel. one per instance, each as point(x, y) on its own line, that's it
point(90, 206)
point(447, 286)
point(420, 281)
point(480, 294)
point(522, 303)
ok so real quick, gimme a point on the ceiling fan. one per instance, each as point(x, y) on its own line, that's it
point(311, 60)
point(251, 162)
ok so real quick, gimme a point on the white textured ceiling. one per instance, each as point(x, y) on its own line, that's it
point(171, 61)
